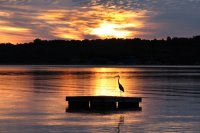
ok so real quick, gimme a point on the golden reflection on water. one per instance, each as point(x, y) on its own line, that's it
point(69, 81)
point(42, 89)
point(96, 82)
point(35, 96)
point(106, 87)
point(106, 83)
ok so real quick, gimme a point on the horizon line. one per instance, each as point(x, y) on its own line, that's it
point(40, 39)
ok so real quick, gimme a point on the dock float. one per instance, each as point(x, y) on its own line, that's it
point(102, 102)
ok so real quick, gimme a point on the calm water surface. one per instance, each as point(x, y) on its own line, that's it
point(32, 99)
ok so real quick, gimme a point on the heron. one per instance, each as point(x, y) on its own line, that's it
point(121, 88)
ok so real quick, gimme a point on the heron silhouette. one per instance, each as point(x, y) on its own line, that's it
point(121, 88)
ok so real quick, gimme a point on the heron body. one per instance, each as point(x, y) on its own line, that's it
point(121, 88)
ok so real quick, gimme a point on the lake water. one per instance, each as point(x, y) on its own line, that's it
point(32, 99)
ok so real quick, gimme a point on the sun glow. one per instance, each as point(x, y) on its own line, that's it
point(94, 22)
point(107, 29)
point(97, 21)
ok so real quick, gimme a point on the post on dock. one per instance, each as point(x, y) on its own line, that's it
point(76, 103)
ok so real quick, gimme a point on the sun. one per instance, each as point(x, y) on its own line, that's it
point(111, 30)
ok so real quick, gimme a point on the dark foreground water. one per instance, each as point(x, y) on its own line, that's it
point(32, 99)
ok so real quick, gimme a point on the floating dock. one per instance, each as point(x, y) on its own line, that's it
point(102, 102)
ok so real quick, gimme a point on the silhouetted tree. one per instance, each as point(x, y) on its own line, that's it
point(37, 41)
point(172, 51)
point(169, 38)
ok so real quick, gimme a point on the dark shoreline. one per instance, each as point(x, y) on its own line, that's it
point(172, 51)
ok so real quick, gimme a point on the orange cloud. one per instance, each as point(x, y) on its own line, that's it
point(13, 29)
point(91, 19)
point(83, 22)
point(95, 22)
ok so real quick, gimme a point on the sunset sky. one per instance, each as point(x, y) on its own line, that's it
point(24, 20)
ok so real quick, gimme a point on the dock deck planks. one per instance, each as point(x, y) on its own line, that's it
point(102, 102)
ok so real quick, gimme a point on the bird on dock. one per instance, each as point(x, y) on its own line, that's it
point(121, 88)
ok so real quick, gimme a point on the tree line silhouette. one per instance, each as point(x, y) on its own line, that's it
point(170, 51)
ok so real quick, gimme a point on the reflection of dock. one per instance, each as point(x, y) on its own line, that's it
point(103, 102)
